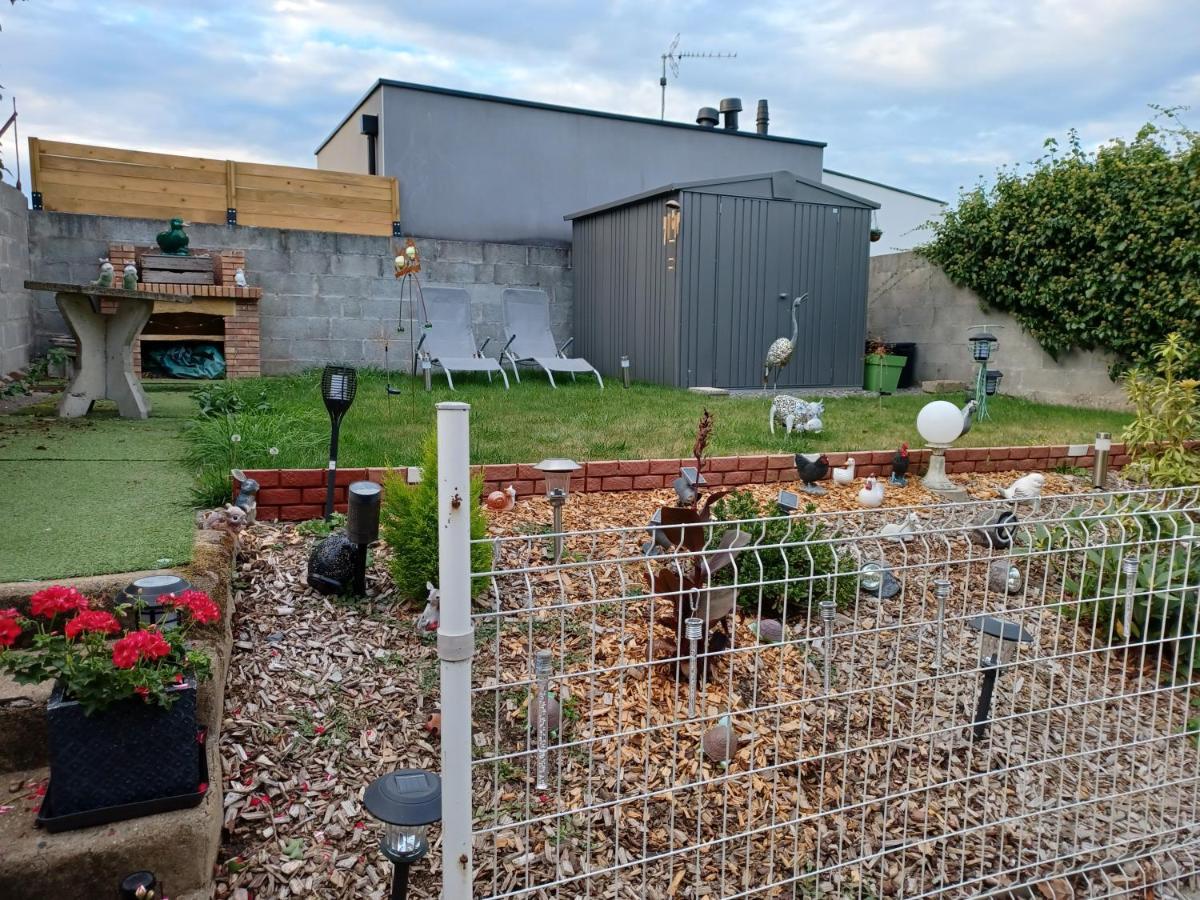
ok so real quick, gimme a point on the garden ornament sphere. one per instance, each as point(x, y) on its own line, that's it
point(769, 631)
point(331, 565)
point(940, 422)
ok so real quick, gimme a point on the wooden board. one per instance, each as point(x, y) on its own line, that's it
point(166, 262)
point(206, 305)
point(159, 277)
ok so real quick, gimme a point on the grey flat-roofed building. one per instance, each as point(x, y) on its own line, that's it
point(698, 300)
point(476, 167)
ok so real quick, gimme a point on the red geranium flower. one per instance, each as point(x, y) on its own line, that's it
point(142, 691)
point(197, 603)
point(139, 645)
point(9, 629)
point(52, 601)
point(93, 620)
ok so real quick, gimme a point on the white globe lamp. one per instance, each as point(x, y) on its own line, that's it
point(940, 423)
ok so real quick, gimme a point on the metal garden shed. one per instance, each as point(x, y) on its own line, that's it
point(694, 281)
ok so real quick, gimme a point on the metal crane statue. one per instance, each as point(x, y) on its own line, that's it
point(779, 354)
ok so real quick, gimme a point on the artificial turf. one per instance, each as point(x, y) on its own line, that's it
point(94, 495)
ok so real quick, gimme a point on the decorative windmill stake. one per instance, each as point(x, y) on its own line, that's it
point(541, 671)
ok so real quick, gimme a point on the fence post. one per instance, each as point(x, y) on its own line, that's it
point(456, 644)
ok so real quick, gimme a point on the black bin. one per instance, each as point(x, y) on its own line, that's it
point(909, 352)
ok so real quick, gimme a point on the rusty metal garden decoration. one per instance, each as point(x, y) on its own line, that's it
point(406, 266)
point(683, 538)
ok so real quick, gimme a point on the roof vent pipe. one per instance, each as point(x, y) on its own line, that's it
point(730, 107)
point(706, 117)
point(762, 117)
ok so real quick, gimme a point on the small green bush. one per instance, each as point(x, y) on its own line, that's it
point(785, 552)
point(1167, 406)
point(408, 523)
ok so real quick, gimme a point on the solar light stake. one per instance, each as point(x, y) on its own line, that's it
point(427, 371)
point(1129, 567)
point(693, 630)
point(541, 671)
point(625, 371)
point(362, 527)
point(983, 708)
point(407, 802)
point(145, 594)
point(941, 590)
point(338, 386)
point(828, 611)
point(998, 646)
point(1100, 466)
point(558, 486)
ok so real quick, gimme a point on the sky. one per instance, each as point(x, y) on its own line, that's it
point(927, 95)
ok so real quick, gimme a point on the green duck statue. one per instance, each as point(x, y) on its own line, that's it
point(174, 240)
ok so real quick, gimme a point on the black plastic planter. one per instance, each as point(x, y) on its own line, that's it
point(131, 752)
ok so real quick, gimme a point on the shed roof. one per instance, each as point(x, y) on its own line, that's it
point(781, 185)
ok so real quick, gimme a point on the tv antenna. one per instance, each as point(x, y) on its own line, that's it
point(673, 56)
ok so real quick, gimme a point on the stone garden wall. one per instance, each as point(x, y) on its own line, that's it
point(293, 495)
point(16, 303)
point(326, 297)
point(910, 299)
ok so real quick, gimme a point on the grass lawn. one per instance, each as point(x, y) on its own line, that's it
point(531, 421)
point(94, 495)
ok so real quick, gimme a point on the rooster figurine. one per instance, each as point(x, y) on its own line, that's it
point(502, 501)
point(812, 470)
point(900, 467)
point(872, 494)
point(845, 475)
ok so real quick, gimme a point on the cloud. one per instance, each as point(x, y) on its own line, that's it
point(925, 95)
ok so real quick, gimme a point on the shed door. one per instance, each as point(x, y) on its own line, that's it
point(754, 286)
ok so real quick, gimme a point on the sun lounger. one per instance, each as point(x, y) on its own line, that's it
point(450, 342)
point(530, 342)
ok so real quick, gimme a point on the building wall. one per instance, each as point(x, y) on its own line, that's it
point(475, 169)
point(347, 149)
point(16, 303)
point(327, 298)
point(910, 299)
point(901, 215)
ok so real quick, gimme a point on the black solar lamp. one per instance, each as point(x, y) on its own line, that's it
point(992, 381)
point(362, 527)
point(407, 802)
point(557, 473)
point(145, 594)
point(138, 886)
point(338, 386)
point(999, 641)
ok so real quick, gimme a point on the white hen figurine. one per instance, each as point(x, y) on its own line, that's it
point(901, 531)
point(1027, 487)
point(872, 494)
point(239, 278)
point(845, 474)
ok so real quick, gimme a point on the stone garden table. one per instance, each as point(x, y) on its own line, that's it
point(105, 322)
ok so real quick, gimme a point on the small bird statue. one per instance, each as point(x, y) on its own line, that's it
point(430, 616)
point(900, 466)
point(129, 277)
point(239, 278)
point(812, 470)
point(720, 741)
point(1027, 487)
point(901, 531)
point(968, 415)
point(872, 494)
point(502, 501)
point(845, 475)
point(768, 631)
point(779, 354)
point(173, 241)
point(106, 275)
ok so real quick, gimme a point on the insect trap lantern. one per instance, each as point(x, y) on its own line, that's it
point(338, 387)
point(407, 802)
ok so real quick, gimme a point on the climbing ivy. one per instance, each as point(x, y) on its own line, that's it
point(1091, 250)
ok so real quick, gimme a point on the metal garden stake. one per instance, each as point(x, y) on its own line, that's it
point(941, 590)
point(693, 630)
point(1100, 466)
point(541, 671)
point(828, 611)
point(1129, 567)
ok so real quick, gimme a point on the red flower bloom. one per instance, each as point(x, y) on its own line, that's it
point(9, 629)
point(197, 603)
point(179, 678)
point(142, 691)
point(139, 645)
point(93, 620)
point(52, 601)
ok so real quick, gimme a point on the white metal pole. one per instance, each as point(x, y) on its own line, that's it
point(456, 644)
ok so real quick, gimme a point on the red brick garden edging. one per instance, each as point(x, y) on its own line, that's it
point(293, 495)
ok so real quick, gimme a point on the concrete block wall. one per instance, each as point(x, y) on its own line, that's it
point(16, 303)
point(911, 300)
point(326, 297)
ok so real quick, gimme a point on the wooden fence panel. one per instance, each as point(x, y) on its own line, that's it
point(108, 181)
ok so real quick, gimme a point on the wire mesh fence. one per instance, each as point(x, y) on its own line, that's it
point(956, 700)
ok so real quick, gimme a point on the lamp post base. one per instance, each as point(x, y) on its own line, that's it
point(935, 479)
